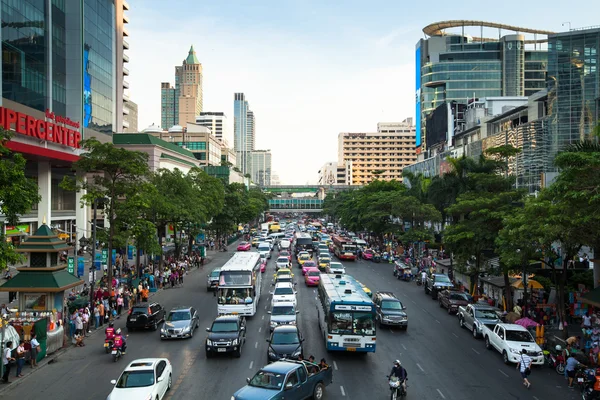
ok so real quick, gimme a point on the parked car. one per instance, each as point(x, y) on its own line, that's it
point(244, 246)
point(286, 379)
point(509, 340)
point(227, 334)
point(312, 276)
point(435, 283)
point(285, 343)
point(144, 317)
point(452, 299)
point(212, 280)
point(390, 310)
point(181, 322)
point(475, 316)
point(146, 378)
point(283, 314)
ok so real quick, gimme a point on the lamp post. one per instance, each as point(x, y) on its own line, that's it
point(93, 264)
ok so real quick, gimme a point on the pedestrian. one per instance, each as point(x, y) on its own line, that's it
point(119, 304)
point(524, 366)
point(35, 349)
point(79, 323)
point(96, 316)
point(102, 312)
point(20, 358)
point(7, 359)
point(86, 321)
point(572, 363)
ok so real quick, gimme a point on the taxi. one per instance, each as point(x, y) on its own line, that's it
point(307, 265)
point(312, 276)
point(283, 271)
point(324, 261)
point(303, 256)
point(255, 241)
point(365, 289)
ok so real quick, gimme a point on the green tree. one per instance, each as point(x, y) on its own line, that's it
point(107, 172)
point(18, 194)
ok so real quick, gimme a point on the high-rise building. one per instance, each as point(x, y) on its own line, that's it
point(332, 174)
point(124, 113)
point(379, 155)
point(60, 84)
point(182, 103)
point(260, 167)
point(216, 122)
point(130, 119)
point(243, 131)
point(457, 67)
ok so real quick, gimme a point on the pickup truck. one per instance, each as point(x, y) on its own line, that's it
point(475, 316)
point(509, 340)
point(436, 283)
point(286, 379)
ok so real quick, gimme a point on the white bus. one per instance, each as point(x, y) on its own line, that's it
point(239, 284)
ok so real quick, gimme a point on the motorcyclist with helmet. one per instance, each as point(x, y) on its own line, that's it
point(595, 394)
point(120, 341)
point(399, 372)
point(110, 332)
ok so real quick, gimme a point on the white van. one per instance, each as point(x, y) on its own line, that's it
point(264, 247)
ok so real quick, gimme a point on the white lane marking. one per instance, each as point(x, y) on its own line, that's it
point(455, 335)
point(259, 329)
point(335, 365)
point(263, 317)
point(535, 398)
point(251, 364)
point(403, 346)
point(342, 390)
point(441, 394)
point(414, 302)
point(437, 321)
point(424, 310)
point(265, 307)
point(505, 374)
point(421, 368)
point(391, 330)
point(256, 345)
point(476, 352)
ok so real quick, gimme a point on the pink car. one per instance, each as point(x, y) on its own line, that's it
point(368, 254)
point(263, 266)
point(308, 265)
point(244, 246)
point(312, 276)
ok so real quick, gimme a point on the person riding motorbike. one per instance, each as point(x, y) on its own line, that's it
point(120, 341)
point(399, 372)
point(110, 332)
point(596, 392)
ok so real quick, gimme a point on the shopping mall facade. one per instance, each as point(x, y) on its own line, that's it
point(62, 82)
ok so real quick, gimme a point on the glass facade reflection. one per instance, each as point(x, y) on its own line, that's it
point(99, 37)
point(25, 53)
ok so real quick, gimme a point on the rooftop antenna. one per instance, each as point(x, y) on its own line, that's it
point(568, 22)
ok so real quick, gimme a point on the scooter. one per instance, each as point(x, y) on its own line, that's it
point(116, 353)
point(557, 363)
point(108, 345)
point(396, 387)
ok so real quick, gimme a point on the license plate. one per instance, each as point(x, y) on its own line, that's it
point(350, 349)
point(173, 335)
point(105, 344)
point(221, 350)
point(114, 352)
point(579, 379)
point(133, 319)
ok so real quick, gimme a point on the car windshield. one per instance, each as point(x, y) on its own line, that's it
point(391, 305)
point(358, 323)
point(267, 380)
point(283, 260)
point(281, 291)
point(283, 310)
point(519, 336)
point(285, 338)
point(215, 274)
point(442, 279)
point(139, 310)
point(489, 314)
point(135, 379)
point(179, 316)
point(284, 253)
point(324, 258)
point(458, 296)
point(314, 273)
point(224, 326)
point(304, 257)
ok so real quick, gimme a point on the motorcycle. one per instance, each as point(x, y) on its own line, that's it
point(396, 387)
point(108, 345)
point(584, 377)
point(556, 362)
point(116, 353)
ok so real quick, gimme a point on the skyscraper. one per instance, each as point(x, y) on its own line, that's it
point(243, 132)
point(182, 103)
point(126, 110)
point(260, 167)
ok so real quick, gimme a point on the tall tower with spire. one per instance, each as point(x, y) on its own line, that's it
point(182, 103)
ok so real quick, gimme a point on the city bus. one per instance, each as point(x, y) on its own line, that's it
point(343, 248)
point(346, 314)
point(303, 242)
point(238, 291)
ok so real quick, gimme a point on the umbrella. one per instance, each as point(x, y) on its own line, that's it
point(530, 284)
point(526, 322)
point(512, 317)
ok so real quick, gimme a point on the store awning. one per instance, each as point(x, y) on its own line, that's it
point(592, 297)
point(530, 284)
point(41, 281)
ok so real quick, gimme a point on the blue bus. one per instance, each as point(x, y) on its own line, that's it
point(346, 314)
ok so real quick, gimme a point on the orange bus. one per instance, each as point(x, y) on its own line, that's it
point(343, 248)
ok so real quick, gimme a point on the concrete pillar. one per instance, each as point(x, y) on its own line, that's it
point(45, 191)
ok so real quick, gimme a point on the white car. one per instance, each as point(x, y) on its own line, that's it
point(282, 262)
point(336, 268)
point(264, 248)
point(146, 378)
point(284, 292)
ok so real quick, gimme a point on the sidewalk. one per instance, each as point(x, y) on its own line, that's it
point(119, 323)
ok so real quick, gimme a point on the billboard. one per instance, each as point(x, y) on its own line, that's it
point(436, 126)
point(418, 96)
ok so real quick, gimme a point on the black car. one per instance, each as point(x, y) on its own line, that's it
point(285, 342)
point(226, 335)
point(315, 245)
point(144, 317)
point(390, 310)
point(212, 280)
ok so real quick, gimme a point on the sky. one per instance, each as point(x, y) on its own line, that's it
point(310, 69)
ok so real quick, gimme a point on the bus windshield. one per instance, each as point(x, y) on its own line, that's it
point(349, 248)
point(235, 278)
point(352, 323)
point(235, 296)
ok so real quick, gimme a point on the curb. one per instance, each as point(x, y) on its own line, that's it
point(54, 357)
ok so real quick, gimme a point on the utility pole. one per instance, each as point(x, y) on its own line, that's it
point(93, 264)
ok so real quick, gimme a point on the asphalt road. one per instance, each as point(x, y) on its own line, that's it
point(443, 360)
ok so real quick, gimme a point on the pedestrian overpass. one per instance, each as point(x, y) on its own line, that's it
point(296, 204)
point(284, 201)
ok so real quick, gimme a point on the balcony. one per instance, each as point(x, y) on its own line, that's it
point(125, 58)
point(125, 71)
point(125, 18)
point(126, 98)
point(125, 44)
point(125, 109)
point(125, 124)
point(125, 32)
point(125, 84)
point(125, 6)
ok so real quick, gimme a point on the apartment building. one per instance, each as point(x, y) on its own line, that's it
point(377, 155)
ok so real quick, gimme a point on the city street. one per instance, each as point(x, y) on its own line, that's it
point(443, 360)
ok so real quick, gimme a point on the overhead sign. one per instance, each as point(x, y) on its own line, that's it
point(53, 128)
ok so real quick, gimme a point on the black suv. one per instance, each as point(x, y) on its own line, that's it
point(390, 310)
point(436, 283)
point(143, 317)
point(226, 335)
